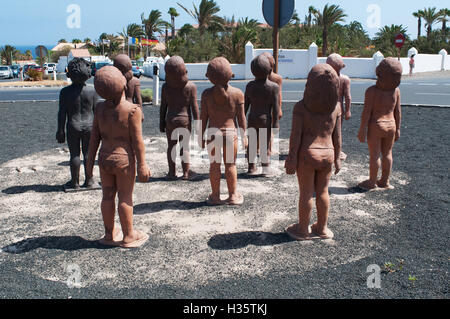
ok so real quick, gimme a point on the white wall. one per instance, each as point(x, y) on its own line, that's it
point(296, 64)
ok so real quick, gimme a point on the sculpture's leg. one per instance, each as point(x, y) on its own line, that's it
point(89, 182)
point(321, 182)
point(387, 160)
point(73, 141)
point(171, 155)
point(109, 190)
point(230, 150)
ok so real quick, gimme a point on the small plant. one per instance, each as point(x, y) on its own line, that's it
point(388, 268)
point(412, 279)
point(147, 95)
point(34, 75)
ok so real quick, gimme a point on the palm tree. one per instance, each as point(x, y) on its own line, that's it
point(173, 14)
point(329, 16)
point(205, 15)
point(295, 18)
point(62, 41)
point(385, 38)
point(431, 16)
point(153, 24)
point(311, 10)
point(87, 40)
point(76, 41)
point(7, 53)
point(444, 14)
point(234, 43)
point(419, 16)
point(132, 30)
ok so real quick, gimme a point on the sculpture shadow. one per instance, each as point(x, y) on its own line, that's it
point(66, 243)
point(38, 188)
point(244, 239)
point(156, 207)
point(67, 163)
point(340, 191)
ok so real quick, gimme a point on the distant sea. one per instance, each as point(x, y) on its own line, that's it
point(24, 48)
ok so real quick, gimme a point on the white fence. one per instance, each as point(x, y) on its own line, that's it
point(296, 64)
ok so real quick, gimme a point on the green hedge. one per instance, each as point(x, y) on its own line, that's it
point(147, 95)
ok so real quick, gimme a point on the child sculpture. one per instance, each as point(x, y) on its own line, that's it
point(76, 106)
point(314, 145)
point(133, 91)
point(380, 122)
point(178, 108)
point(345, 97)
point(222, 109)
point(263, 97)
point(118, 125)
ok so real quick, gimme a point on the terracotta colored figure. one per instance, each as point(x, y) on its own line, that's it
point(315, 144)
point(380, 122)
point(222, 110)
point(178, 108)
point(118, 125)
point(277, 79)
point(76, 106)
point(133, 91)
point(345, 97)
point(261, 97)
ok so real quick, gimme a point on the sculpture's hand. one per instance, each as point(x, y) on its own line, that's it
point(244, 143)
point(162, 128)
point(144, 173)
point(203, 144)
point(61, 137)
point(362, 136)
point(280, 115)
point(290, 171)
point(348, 115)
point(337, 165)
point(290, 167)
point(397, 135)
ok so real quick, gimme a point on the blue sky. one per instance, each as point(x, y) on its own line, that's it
point(26, 22)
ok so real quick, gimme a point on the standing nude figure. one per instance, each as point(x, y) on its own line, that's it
point(118, 126)
point(133, 91)
point(76, 106)
point(276, 78)
point(178, 108)
point(380, 122)
point(314, 145)
point(336, 61)
point(261, 97)
point(222, 111)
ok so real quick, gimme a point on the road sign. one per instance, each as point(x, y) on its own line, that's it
point(399, 40)
point(286, 11)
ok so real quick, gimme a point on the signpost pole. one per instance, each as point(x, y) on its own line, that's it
point(276, 33)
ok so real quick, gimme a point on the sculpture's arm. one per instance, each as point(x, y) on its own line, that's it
point(295, 141)
point(366, 114)
point(398, 115)
point(163, 111)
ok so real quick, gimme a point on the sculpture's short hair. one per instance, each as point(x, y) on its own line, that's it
point(322, 89)
point(219, 71)
point(79, 70)
point(389, 73)
point(261, 67)
point(123, 63)
point(109, 83)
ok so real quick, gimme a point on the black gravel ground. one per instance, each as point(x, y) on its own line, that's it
point(416, 245)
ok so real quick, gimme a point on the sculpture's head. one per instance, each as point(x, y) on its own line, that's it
point(110, 83)
point(176, 73)
point(123, 63)
point(336, 61)
point(389, 73)
point(219, 71)
point(261, 67)
point(322, 89)
point(271, 59)
point(79, 70)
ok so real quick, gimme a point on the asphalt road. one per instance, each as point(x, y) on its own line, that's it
point(428, 89)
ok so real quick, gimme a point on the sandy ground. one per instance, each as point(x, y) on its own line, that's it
point(196, 251)
point(33, 83)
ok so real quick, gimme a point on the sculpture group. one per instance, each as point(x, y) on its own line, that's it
point(115, 126)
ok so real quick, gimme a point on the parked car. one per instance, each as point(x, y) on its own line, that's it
point(26, 67)
point(136, 72)
point(6, 72)
point(97, 66)
point(16, 70)
point(36, 67)
point(49, 67)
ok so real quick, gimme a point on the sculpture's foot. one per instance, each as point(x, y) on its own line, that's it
point(367, 186)
point(171, 177)
point(139, 239)
point(384, 185)
point(115, 241)
point(252, 171)
point(91, 184)
point(190, 176)
point(235, 200)
point(295, 234)
point(214, 201)
point(342, 156)
point(71, 186)
point(325, 234)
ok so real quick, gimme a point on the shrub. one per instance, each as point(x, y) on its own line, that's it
point(35, 75)
point(147, 95)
